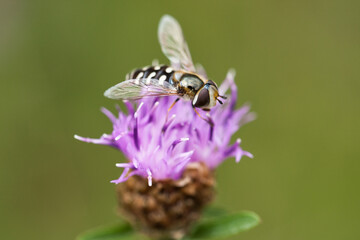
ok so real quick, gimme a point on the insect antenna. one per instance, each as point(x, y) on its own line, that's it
point(219, 101)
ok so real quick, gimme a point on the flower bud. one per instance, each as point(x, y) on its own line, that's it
point(169, 207)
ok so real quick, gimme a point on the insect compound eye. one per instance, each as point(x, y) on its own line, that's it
point(202, 98)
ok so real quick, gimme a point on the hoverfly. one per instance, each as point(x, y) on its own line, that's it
point(181, 81)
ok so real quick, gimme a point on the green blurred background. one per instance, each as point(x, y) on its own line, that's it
point(297, 63)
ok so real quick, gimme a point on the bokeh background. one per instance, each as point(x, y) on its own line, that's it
point(297, 63)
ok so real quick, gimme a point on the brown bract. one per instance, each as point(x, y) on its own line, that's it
point(167, 208)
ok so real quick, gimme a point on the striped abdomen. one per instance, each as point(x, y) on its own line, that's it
point(161, 73)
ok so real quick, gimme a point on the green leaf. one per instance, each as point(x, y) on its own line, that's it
point(119, 231)
point(212, 211)
point(225, 226)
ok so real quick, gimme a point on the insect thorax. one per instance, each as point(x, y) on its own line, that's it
point(190, 83)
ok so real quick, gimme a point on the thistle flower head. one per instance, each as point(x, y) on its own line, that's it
point(160, 145)
point(168, 147)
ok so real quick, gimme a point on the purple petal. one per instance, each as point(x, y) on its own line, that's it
point(93, 140)
point(109, 115)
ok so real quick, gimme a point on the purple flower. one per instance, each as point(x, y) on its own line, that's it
point(160, 149)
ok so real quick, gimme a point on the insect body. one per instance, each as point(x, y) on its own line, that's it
point(180, 80)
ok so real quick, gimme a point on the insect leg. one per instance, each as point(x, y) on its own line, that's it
point(209, 121)
point(171, 106)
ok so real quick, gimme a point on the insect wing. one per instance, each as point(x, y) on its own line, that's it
point(173, 43)
point(135, 89)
